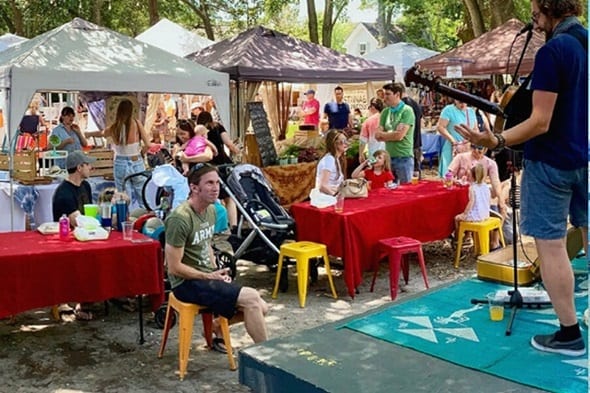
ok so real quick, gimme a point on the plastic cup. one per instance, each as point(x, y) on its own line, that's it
point(91, 210)
point(339, 206)
point(496, 305)
point(415, 177)
point(127, 230)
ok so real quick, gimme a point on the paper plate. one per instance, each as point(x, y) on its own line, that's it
point(49, 228)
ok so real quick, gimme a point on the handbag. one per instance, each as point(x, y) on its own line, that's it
point(354, 188)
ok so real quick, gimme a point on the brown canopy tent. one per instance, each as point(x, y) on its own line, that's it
point(262, 54)
point(488, 53)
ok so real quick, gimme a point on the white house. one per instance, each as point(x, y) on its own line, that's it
point(364, 39)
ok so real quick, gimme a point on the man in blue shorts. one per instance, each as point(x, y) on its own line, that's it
point(554, 180)
point(191, 270)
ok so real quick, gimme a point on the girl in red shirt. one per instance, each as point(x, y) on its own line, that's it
point(377, 170)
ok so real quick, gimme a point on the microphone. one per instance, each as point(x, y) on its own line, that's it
point(528, 27)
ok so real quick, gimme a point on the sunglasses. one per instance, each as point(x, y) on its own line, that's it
point(476, 147)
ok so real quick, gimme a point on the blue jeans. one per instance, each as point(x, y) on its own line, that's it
point(402, 168)
point(548, 196)
point(123, 167)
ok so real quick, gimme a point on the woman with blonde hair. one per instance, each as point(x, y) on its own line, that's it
point(126, 135)
point(331, 169)
point(478, 207)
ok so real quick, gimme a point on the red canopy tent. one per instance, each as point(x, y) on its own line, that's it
point(488, 53)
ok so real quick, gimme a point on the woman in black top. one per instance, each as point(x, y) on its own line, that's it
point(219, 137)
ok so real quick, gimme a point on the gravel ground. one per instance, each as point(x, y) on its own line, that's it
point(38, 354)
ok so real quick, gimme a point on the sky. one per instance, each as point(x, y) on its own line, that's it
point(355, 14)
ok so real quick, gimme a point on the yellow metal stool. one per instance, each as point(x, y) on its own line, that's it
point(481, 231)
point(186, 318)
point(302, 252)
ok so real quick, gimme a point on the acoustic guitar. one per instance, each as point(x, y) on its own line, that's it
point(507, 112)
point(426, 80)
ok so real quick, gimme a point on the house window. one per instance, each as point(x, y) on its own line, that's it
point(362, 48)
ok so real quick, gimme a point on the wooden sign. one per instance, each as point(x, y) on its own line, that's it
point(266, 146)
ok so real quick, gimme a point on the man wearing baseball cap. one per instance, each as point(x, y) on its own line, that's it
point(74, 192)
point(310, 110)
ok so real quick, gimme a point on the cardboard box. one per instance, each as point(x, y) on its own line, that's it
point(24, 164)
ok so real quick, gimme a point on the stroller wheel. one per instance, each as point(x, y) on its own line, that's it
point(284, 280)
point(160, 317)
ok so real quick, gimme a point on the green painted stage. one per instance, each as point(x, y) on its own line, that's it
point(336, 358)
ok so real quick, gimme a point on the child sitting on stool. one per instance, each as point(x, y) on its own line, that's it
point(478, 207)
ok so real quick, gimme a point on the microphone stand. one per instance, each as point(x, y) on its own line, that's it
point(529, 35)
point(516, 300)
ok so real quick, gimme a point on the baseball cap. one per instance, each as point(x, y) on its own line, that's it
point(310, 91)
point(76, 158)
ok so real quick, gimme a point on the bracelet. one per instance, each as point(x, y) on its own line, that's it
point(501, 142)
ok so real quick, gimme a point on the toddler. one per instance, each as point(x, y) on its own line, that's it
point(378, 173)
point(478, 207)
point(197, 145)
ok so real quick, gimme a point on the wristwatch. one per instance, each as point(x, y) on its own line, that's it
point(501, 141)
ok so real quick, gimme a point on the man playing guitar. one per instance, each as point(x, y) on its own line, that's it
point(554, 180)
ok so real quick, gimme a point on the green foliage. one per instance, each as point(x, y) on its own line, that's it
point(353, 148)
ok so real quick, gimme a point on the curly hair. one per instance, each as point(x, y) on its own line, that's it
point(560, 8)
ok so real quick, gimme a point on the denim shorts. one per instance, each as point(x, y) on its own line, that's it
point(124, 167)
point(221, 297)
point(402, 168)
point(548, 196)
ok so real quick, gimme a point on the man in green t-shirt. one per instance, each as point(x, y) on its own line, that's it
point(396, 128)
point(189, 255)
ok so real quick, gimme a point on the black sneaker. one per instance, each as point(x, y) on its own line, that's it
point(548, 343)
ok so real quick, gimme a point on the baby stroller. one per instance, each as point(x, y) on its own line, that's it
point(263, 224)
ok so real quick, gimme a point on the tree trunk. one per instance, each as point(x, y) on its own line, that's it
point(96, 12)
point(475, 17)
point(312, 22)
point(203, 13)
point(327, 24)
point(501, 11)
point(382, 23)
point(153, 12)
point(17, 18)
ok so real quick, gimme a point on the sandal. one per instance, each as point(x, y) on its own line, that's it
point(219, 345)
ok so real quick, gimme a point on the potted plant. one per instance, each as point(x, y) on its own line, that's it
point(289, 154)
point(352, 155)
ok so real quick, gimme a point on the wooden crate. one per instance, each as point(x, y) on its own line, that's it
point(24, 165)
point(103, 166)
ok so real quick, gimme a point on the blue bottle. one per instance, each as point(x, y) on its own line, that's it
point(121, 213)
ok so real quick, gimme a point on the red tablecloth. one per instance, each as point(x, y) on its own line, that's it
point(42, 271)
point(424, 212)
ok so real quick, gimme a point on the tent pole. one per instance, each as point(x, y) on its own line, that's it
point(238, 108)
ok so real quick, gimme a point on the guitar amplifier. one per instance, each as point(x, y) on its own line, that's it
point(498, 266)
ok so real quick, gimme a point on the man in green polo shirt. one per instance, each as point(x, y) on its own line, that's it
point(396, 128)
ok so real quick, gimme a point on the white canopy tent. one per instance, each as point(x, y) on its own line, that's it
point(401, 55)
point(9, 39)
point(173, 38)
point(81, 56)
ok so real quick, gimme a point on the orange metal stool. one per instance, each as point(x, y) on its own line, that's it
point(186, 318)
point(481, 230)
point(302, 252)
point(398, 249)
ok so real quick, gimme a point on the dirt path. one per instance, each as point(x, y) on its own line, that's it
point(40, 355)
